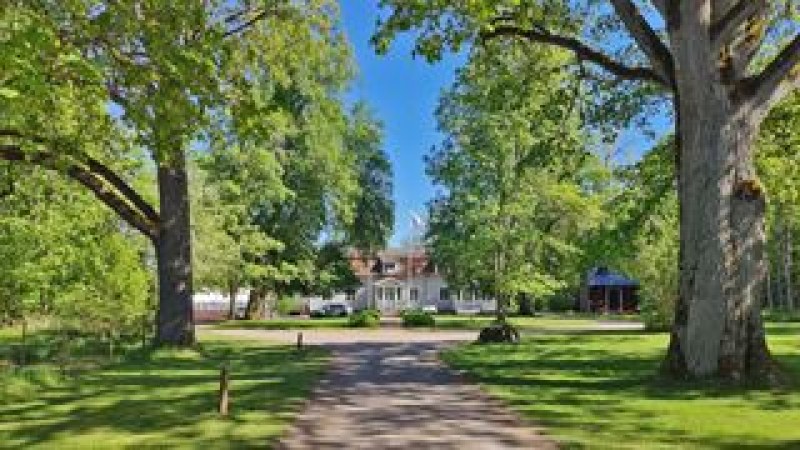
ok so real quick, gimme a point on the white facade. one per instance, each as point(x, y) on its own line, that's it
point(393, 295)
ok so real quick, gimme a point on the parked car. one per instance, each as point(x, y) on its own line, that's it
point(469, 309)
point(332, 310)
point(430, 309)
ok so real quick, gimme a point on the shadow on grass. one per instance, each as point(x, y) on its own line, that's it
point(168, 398)
point(602, 390)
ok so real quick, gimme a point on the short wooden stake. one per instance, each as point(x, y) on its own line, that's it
point(224, 388)
point(300, 341)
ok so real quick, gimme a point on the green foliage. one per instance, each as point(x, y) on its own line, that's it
point(561, 302)
point(63, 255)
point(286, 304)
point(374, 211)
point(257, 88)
point(334, 273)
point(368, 318)
point(516, 180)
point(778, 163)
point(643, 240)
point(418, 318)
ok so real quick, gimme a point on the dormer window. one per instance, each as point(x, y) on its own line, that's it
point(389, 267)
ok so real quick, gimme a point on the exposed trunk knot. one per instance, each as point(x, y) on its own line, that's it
point(750, 189)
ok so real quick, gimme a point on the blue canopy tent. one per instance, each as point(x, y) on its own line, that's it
point(607, 292)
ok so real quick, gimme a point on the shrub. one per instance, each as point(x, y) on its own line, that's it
point(368, 318)
point(561, 302)
point(499, 332)
point(418, 318)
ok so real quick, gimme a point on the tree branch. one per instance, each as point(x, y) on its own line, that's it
point(724, 30)
point(647, 40)
point(256, 17)
point(105, 190)
point(107, 175)
point(580, 49)
point(663, 8)
point(779, 78)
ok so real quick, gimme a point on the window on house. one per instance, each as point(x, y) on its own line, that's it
point(350, 295)
point(444, 294)
point(389, 267)
point(413, 294)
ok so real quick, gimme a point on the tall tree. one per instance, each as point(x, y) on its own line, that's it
point(82, 79)
point(724, 64)
point(513, 194)
point(373, 219)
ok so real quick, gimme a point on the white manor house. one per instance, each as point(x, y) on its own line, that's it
point(403, 278)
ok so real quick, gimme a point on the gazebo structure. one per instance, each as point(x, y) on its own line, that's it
point(608, 292)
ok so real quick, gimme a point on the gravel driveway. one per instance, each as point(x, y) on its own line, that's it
point(386, 389)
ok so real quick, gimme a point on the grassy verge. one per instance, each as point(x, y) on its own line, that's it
point(538, 323)
point(163, 399)
point(548, 322)
point(284, 324)
point(600, 391)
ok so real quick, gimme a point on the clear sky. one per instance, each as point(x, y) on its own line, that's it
point(403, 92)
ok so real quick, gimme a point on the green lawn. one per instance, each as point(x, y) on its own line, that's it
point(600, 391)
point(548, 322)
point(285, 324)
point(445, 322)
point(163, 399)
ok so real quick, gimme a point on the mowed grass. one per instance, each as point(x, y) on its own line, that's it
point(601, 391)
point(161, 399)
point(548, 322)
point(285, 324)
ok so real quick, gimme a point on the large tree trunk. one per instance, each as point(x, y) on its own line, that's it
point(256, 304)
point(175, 320)
point(718, 329)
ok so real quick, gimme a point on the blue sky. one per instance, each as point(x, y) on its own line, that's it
point(403, 93)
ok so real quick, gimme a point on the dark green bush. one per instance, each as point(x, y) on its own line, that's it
point(368, 318)
point(418, 318)
point(499, 332)
point(561, 302)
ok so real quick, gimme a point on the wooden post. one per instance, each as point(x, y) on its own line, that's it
point(299, 341)
point(607, 305)
point(224, 388)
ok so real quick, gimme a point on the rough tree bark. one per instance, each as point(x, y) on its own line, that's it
point(175, 321)
point(718, 329)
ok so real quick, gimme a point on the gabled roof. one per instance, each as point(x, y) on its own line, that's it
point(601, 276)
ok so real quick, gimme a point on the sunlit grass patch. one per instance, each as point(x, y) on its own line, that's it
point(166, 398)
point(601, 390)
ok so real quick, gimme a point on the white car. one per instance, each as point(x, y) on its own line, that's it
point(430, 309)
